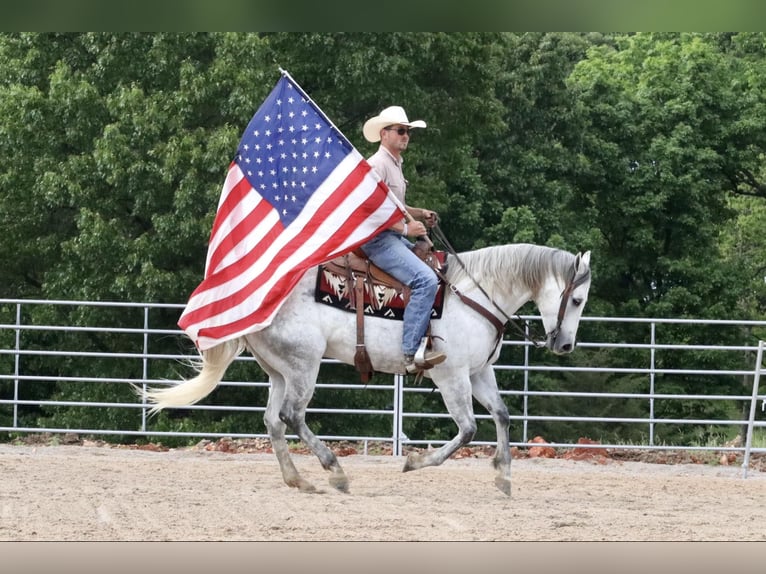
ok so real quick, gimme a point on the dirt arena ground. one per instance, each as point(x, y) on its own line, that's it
point(83, 493)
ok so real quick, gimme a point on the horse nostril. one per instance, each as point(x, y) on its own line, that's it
point(566, 348)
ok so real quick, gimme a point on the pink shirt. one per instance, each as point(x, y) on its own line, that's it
point(390, 171)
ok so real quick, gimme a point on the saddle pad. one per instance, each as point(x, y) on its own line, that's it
point(333, 289)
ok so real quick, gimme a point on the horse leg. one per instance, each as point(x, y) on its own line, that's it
point(276, 429)
point(293, 413)
point(456, 394)
point(485, 391)
point(292, 373)
point(285, 409)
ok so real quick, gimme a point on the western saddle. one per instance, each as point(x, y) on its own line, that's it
point(358, 270)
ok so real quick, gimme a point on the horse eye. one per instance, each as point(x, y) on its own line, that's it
point(576, 301)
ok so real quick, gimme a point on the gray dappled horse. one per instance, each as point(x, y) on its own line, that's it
point(499, 278)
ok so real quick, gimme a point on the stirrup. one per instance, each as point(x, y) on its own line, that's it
point(423, 358)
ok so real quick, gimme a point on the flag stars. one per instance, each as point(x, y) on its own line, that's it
point(287, 150)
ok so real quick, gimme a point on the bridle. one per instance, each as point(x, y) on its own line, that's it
point(573, 283)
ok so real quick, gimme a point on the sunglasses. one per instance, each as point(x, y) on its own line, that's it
point(400, 131)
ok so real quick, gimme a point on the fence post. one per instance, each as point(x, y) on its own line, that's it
point(651, 383)
point(753, 401)
point(525, 408)
point(145, 366)
point(398, 433)
point(16, 364)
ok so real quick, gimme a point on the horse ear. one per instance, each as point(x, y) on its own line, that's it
point(582, 260)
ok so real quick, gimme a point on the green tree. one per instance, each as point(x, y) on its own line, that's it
point(654, 182)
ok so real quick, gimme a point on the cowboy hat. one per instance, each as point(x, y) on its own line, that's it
point(388, 117)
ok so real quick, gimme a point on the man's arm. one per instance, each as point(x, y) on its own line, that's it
point(427, 216)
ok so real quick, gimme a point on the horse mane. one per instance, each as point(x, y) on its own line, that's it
point(503, 266)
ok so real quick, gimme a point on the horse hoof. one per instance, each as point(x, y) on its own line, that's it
point(503, 484)
point(414, 461)
point(339, 483)
point(302, 485)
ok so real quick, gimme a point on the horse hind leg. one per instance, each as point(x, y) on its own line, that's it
point(288, 398)
point(295, 417)
point(276, 428)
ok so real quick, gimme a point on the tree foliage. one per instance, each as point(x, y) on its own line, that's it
point(646, 149)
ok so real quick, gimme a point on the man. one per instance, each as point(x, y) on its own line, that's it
point(391, 250)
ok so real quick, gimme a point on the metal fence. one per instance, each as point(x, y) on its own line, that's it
point(24, 365)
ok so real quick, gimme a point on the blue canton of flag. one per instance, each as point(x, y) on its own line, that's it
point(287, 150)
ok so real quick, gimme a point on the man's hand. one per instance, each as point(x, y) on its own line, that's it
point(430, 218)
point(415, 228)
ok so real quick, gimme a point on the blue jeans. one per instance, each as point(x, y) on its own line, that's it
point(393, 254)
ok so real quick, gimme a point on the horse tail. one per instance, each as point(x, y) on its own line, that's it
point(210, 371)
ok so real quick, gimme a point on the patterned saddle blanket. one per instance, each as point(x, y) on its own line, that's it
point(384, 296)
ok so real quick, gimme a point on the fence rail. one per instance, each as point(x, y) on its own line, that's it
point(26, 362)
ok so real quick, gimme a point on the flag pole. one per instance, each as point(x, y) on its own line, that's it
point(315, 106)
point(407, 217)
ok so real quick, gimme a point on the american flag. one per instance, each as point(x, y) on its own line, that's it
point(297, 194)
